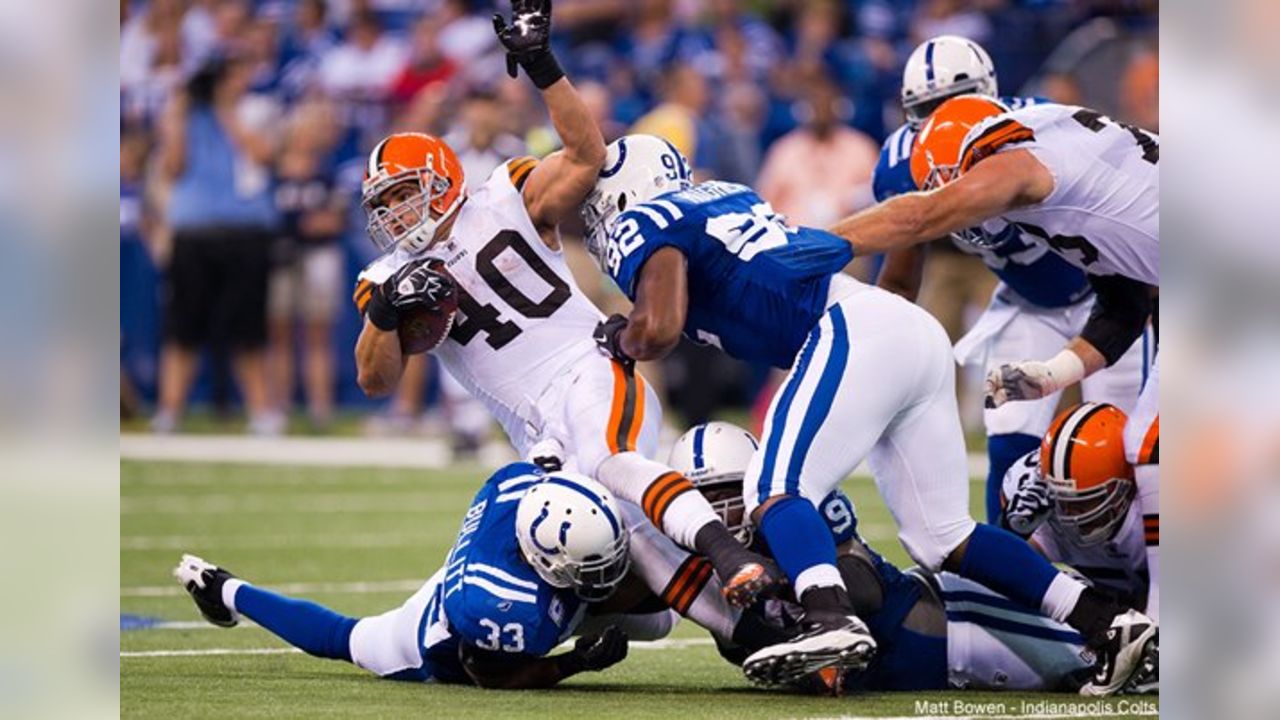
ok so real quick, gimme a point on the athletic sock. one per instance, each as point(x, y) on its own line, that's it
point(667, 498)
point(1093, 614)
point(1008, 565)
point(801, 543)
point(308, 626)
point(1148, 480)
point(1002, 452)
point(717, 544)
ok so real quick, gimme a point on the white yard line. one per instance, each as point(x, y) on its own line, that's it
point(664, 644)
point(425, 453)
point(354, 588)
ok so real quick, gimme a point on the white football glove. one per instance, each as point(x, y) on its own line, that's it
point(1031, 379)
point(547, 454)
point(1030, 505)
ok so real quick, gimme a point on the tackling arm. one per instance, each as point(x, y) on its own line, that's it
point(508, 671)
point(662, 301)
point(998, 184)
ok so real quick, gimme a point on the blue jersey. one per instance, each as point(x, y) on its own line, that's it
point(1029, 268)
point(757, 286)
point(489, 596)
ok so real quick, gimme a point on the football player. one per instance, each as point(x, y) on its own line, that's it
point(521, 340)
point(1073, 500)
point(934, 631)
point(1086, 186)
point(871, 377)
point(533, 549)
point(1041, 301)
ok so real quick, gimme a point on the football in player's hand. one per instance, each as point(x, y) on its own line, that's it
point(422, 329)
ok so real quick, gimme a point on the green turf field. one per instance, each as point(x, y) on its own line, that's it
point(361, 541)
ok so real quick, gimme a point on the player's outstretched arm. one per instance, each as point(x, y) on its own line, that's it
point(509, 671)
point(657, 319)
point(559, 184)
point(379, 362)
point(997, 184)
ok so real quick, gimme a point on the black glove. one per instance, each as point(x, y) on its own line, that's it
point(414, 285)
point(528, 41)
point(596, 652)
point(608, 337)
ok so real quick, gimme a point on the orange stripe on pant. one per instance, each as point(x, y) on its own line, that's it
point(661, 493)
point(690, 578)
point(627, 413)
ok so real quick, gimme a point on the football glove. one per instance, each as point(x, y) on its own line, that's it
point(608, 337)
point(547, 454)
point(1032, 380)
point(597, 652)
point(1030, 505)
point(528, 41)
point(416, 284)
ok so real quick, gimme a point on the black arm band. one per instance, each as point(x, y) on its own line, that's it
point(1119, 315)
point(543, 69)
point(381, 313)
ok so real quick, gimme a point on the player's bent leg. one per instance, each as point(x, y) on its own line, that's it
point(390, 644)
point(613, 417)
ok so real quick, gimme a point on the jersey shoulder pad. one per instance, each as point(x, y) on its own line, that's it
point(989, 136)
point(518, 170)
point(892, 175)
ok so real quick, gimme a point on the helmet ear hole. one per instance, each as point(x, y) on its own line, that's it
point(622, 203)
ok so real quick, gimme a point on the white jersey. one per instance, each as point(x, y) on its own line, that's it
point(522, 320)
point(1119, 564)
point(1104, 212)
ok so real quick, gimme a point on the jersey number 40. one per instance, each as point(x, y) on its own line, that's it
point(486, 318)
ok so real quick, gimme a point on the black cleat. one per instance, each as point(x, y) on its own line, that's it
point(835, 641)
point(204, 581)
point(1122, 652)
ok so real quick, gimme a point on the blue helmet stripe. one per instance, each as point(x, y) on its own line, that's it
point(928, 63)
point(698, 434)
point(613, 521)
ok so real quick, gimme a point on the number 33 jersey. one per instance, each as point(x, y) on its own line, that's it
point(1104, 212)
point(757, 286)
point(521, 319)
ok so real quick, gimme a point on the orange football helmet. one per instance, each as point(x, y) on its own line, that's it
point(1083, 463)
point(935, 156)
point(429, 168)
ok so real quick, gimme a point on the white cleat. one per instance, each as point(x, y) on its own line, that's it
point(843, 643)
point(1131, 644)
point(204, 581)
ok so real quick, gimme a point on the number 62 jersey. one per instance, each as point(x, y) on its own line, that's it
point(521, 319)
point(1104, 212)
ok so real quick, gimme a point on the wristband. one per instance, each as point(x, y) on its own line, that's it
point(1065, 369)
point(543, 69)
point(381, 313)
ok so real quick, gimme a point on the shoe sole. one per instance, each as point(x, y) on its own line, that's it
point(790, 666)
point(1131, 656)
point(742, 593)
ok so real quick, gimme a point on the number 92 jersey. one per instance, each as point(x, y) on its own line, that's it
point(1103, 215)
point(756, 285)
point(521, 319)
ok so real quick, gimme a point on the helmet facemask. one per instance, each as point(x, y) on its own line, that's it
point(599, 211)
point(724, 494)
point(596, 577)
point(412, 220)
point(918, 108)
point(1090, 517)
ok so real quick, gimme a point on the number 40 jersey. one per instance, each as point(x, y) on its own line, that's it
point(521, 319)
point(1104, 212)
point(757, 286)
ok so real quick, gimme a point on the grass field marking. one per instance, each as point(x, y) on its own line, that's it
point(354, 588)
point(272, 542)
point(426, 453)
point(664, 644)
point(256, 503)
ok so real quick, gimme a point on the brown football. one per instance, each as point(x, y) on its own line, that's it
point(423, 330)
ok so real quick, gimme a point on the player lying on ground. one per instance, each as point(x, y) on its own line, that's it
point(1088, 188)
point(871, 377)
point(520, 341)
point(1041, 301)
point(1072, 498)
point(933, 631)
point(532, 552)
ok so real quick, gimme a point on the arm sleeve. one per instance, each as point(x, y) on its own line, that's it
point(1120, 313)
point(519, 168)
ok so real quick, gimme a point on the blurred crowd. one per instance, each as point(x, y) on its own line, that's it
point(245, 123)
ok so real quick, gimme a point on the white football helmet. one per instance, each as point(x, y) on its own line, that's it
point(637, 168)
point(941, 68)
point(571, 532)
point(714, 457)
